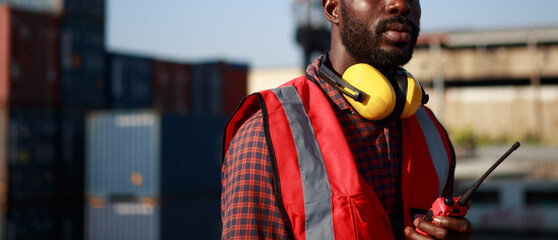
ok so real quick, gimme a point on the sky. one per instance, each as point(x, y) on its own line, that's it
point(260, 33)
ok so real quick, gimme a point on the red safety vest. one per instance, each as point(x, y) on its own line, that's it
point(321, 191)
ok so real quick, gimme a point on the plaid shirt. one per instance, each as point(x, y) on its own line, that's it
point(248, 205)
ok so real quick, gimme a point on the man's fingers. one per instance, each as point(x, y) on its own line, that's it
point(431, 229)
point(461, 225)
point(442, 228)
point(411, 233)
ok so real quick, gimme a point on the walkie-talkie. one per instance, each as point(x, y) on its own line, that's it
point(456, 206)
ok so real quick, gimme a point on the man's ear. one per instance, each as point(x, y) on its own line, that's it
point(331, 10)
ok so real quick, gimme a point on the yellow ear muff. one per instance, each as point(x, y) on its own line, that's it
point(413, 96)
point(380, 98)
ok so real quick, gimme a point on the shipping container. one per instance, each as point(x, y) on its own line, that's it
point(144, 153)
point(171, 86)
point(150, 219)
point(72, 143)
point(235, 86)
point(3, 164)
point(130, 81)
point(33, 153)
point(84, 63)
point(207, 88)
point(90, 9)
point(122, 154)
point(218, 87)
point(49, 219)
point(32, 73)
point(121, 219)
point(197, 217)
point(45, 177)
point(53, 7)
point(4, 53)
point(33, 220)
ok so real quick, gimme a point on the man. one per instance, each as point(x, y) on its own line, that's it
point(301, 161)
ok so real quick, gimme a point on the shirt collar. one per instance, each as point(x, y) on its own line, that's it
point(334, 95)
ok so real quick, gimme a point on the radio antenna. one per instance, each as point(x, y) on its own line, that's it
point(469, 193)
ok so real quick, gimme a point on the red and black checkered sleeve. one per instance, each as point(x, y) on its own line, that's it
point(248, 206)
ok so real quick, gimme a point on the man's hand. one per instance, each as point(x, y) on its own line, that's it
point(441, 228)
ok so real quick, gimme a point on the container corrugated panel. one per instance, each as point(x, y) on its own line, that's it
point(44, 219)
point(235, 80)
point(33, 153)
point(198, 216)
point(4, 116)
point(83, 62)
point(191, 153)
point(35, 57)
point(108, 220)
point(130, 78)
point(122, 153)
point(207, 88)
point(4, 53)
point(127, 149)
point(33, 220)
point(186, 218)
point(171, 86)
point(72, 138)
point(72, 220)
point(94, 9)
point(40, 6)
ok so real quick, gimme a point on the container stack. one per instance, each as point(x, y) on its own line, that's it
point(150, 166)
point(31, 106)
point(153, 175)
point(83, 55)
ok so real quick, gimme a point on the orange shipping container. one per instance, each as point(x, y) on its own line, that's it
point(4, 53)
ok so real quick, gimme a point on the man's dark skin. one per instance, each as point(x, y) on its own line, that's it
point(383, 33)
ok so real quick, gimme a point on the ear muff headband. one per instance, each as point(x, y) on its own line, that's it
point(372, 95)
point(340, 84)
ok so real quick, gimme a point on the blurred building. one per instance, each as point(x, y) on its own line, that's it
point(502, 84)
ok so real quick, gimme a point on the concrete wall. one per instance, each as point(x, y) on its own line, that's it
point(266, 78)
point(513, 113)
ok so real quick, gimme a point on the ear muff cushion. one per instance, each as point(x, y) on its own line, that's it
point(380, 96)
point(413, 97)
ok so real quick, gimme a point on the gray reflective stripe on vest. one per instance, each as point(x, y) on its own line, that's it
point(436, 147)
point(315, 183)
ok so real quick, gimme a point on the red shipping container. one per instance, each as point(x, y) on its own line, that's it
point(33, 58)
point(171, 86)
point(235, 78)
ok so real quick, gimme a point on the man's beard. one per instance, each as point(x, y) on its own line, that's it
point(364, 45)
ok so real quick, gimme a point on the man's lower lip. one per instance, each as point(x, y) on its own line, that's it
point(396, 36)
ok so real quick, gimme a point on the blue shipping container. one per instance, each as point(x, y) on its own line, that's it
point(72, 142)
point(207, 88)
point(122, 153)
point(130, 81)
point(145, 153)
point(46, 219)
point(33, 153)
point(93, 9)
point(83, 63)
point(189, 218)
point(118, 220)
